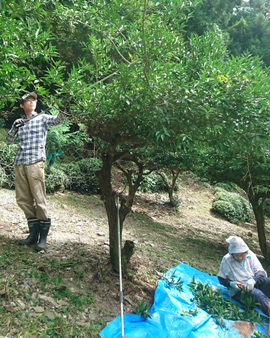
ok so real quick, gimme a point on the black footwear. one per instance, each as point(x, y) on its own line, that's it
point(44, 230)
point(33, 225)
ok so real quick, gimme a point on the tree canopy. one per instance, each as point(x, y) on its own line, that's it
point(128, 71)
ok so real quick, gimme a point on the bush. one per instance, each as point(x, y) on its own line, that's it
point(7, 155)
point(152, 183)
point(228, 186)
point(226, 210)
point(232, 206)
point(82, 175)
point(55, 180)
point(2, 123)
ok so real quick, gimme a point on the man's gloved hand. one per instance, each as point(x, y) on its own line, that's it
point(18, 123)
point(249, 285)
point(237, 286)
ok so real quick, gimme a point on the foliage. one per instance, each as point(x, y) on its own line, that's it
point(56, 180)
point(220, 308)
point(171, 281)
point(136, 82)
point(7, 173)
point(175, 202)
point(82, 175)
point(71, 143)
point(152, 183)
point(25, 48)
point(266, 207)
point(228, 186)
point(249, 29)
point(258, 334)
point(73, 301)
point(232, 206)
point(142, 309)
point(249, 302)
point(209, 13)
point(245, 24)
point(226, 210)
point(190, 312)
point(79, 176)
point(3, 177)
point(57, 137)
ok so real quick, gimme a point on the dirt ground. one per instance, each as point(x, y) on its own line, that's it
point(79, 233)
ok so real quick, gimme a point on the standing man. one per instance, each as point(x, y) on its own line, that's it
point(31, 134)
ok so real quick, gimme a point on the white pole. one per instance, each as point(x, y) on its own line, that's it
point(120, 272)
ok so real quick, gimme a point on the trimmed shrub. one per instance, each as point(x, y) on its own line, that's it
point(232, 206)
point(152, 183)
point(228, 186)
point(82, 175)
point(56, 180)
point(226, 210)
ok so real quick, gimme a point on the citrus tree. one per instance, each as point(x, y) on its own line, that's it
point(124, 70)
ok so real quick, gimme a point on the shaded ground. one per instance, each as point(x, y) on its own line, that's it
point(77, 259)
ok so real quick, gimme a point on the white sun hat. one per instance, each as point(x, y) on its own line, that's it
point(236, 245)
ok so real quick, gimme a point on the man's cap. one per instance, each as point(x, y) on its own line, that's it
point(236, 245)
point(26, 96)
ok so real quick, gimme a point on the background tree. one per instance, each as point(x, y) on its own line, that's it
point(241, 156)
point(211, 13)
point(245, 24)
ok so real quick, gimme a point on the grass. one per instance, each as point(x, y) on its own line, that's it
point(76, 275)
point(21, 277)
point(180, 247)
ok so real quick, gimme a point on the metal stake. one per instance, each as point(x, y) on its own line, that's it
point(120, 272)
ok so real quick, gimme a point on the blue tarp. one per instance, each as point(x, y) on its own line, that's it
point(166, 320)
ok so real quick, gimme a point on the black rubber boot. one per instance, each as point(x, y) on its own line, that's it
point(44, 230)
point(33, 225)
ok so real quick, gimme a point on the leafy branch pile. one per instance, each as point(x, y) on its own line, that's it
point(219, 308)
point(142, 309)
point(173, 281)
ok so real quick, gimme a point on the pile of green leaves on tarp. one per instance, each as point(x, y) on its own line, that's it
point(219, 308)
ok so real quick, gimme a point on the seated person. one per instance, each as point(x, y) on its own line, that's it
point(240, 270)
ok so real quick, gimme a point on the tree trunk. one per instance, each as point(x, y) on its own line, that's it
point(107, 195)
point(109, 199)
point(175, 174)
point(260, 220)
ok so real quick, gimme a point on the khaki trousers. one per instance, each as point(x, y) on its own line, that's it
point(30, 190)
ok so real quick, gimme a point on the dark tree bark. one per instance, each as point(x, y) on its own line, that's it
point(257, 207)
point(109, 197)
point(175, 174)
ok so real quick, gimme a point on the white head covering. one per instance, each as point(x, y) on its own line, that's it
point(236, 245)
